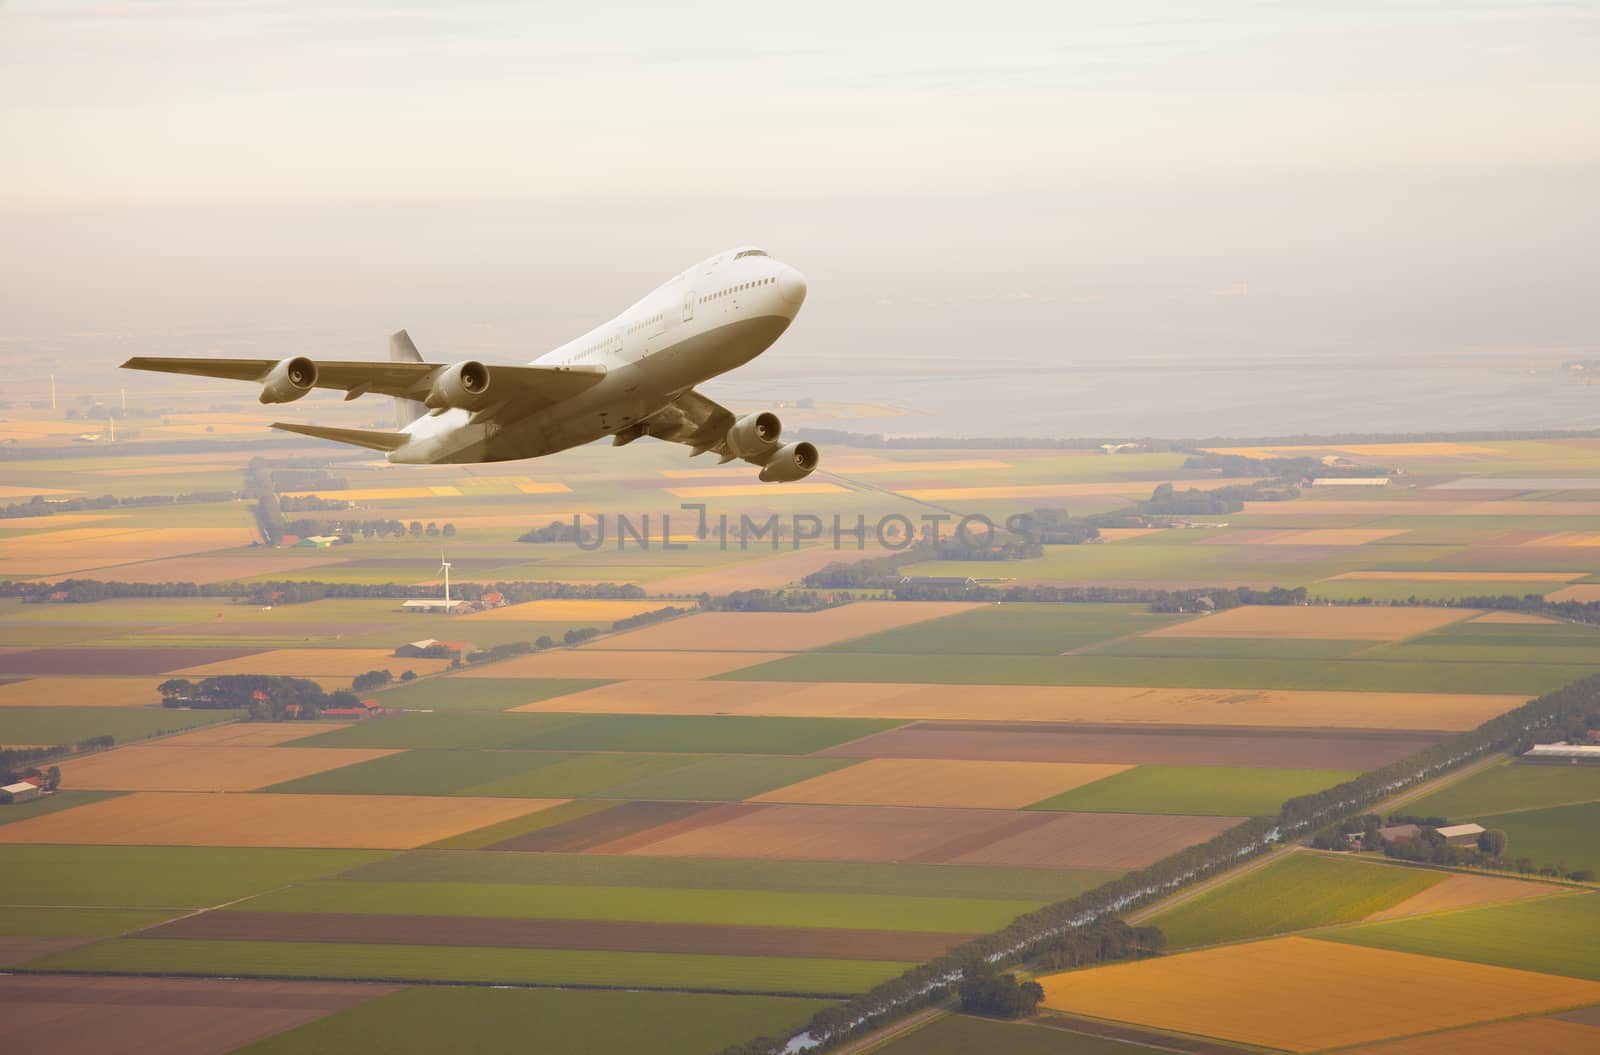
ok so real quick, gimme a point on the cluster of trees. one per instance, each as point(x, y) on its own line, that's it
point(765, 601)
point(1233, 465)
point(1034, 934)
point(372, 679)
point(264, 697)
point(1101, 942)
point(646, 618)
point(310, 504)
point(556, 531)
point(17, 763)
point(986, 991)
point(347, 530)
point(503, 651)
point(1053, 527)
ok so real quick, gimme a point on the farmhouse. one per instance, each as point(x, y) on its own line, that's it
point(1350, 481)
point(1563, 752)
point(1399, 833)
point(431, 604)
point(960, 581)
point(22, 791)
point(1461, 834)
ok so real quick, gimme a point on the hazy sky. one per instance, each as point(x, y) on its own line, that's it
point(1051, 181)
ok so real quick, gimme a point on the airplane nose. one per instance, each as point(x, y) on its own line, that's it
point(792, 287)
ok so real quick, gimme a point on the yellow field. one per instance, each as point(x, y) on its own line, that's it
point(1467, 891)
point(58, 520)
point(792, 631)
point(25, 491)
point(596, 663)
point(1546, 1036)
point(1512, 617)
point(81, 692)
point(1141, 488)
point(250, 734)
point(106, 545)
point(1304, 995)
point(936, 782)
point(1119, 534)
point(752, 490)
point(1397, 450)
point(568, 611)
point(1583, 592)
point(316, 663)
point(532, 487)
point(376, 494)
point(1566, 538)
point(161, 818)
point(1346, 623)
point(163, 767)
point(1284, 708)
point(1458, 576)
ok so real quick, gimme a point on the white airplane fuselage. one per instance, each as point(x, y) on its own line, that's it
point(717, 315)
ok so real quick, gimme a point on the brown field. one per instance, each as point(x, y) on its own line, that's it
point(914, 833)
point(597, 663)
point(765, 574)
point(590, 935)
point(315, 662)
point(49, 553)
point(1304, 995)
point(607, 826)
point(1113, 705)
point(1306, 537)
point(56, 521)
point(1584, 593)
point(160, 818)
point(936, 782)
point(1566, 538)
point(556, 611)
point(114, 660)
point(189, 768)
point(173, 1016)
point(250, 734)
point(218, 569)
point(754, 490)
point(1344, 623)
point(1139, 488)
point(1119, 534)
point(81, 692)
point(1547, 1036)
point(18, 949)
point(1512, 617)
point(1458, 576)
point(1124, 746)
point(1467, 891)
point(788, 631)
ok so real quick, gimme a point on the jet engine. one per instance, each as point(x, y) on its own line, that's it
point(791, 462)
point(464, 385)
point(754, 436)
point(289, 380)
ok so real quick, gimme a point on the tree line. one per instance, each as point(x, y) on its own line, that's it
point(1037, 933)
point(263, 697)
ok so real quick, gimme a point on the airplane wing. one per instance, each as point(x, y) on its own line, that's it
point(694, 420)
point(530, 387)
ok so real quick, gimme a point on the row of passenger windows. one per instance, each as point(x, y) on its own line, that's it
point(642, 323)
point(735, 289)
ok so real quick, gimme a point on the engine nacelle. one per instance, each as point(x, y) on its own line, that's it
point(755, 436)
point(464, 385)
point(289, 380)
point(794, 461)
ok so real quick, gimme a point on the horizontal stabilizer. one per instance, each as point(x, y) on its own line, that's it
point(368, 438)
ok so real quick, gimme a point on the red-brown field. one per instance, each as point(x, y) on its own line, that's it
point(592, 935)
point(120, 661)
point(602, 663)
point(172, 1016)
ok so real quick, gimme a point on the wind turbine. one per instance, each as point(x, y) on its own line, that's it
point(444, 566)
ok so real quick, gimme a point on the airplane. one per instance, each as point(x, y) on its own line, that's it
point(631, 377)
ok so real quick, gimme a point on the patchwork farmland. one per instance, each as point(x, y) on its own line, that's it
point(744, 817)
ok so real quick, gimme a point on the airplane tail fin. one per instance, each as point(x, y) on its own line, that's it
point(401, 350)
point(370, 439)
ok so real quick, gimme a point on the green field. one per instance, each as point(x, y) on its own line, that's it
point(660, 905)
point(1297, 891)
point(903, 879)
point(1353, 675)
point(728, 778)
point(505, 774)
point(158, 876)
point(1230, 648)
point(435, 963)
point(427, 1020)
point(1219, 791)
point(478, 838)
point(1556, 935)
point(1426, 591)
point(965, 1035)
point(1013, 629)
point(668, 734)
point(1511, 786)
point(478, 694)
point(37, 922)
point(68, 725)
point(574, 775)
point(1557, 835)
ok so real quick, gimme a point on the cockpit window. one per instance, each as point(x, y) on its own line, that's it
point(750, 252)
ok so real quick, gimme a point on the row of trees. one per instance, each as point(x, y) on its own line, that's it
point(347, 530)
point(263, 697)
point(38, 507)
point(296, 591)
point(1037, 932)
